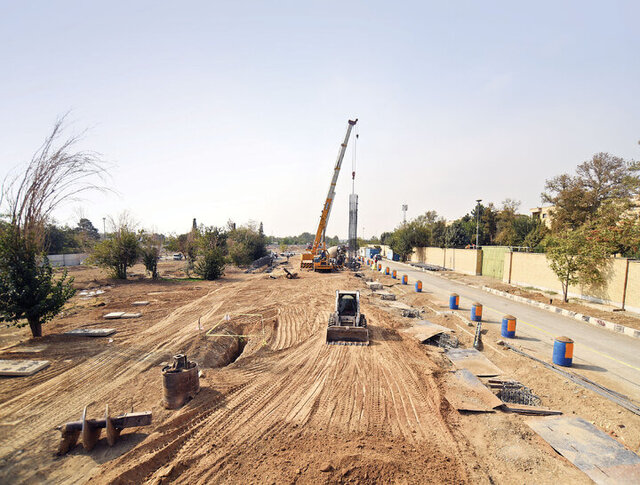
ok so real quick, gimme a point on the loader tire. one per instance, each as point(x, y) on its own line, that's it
point(363, 321)
point(332, 320)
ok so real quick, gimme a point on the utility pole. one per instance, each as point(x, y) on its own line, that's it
point(404, 213)
point(477, 220)
point(104, 227)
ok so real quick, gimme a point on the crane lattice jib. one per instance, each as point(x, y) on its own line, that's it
point(326, 211)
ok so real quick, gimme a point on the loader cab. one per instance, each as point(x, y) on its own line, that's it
point(347, 305)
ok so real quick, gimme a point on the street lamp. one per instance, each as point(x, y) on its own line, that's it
point(477, 220)
point(104, 227)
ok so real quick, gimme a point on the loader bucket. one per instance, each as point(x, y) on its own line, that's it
point(347, 335)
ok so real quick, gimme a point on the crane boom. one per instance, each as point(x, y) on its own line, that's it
point(326, 210)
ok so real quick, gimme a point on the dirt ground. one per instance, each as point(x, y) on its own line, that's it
point(605, 312)
point(283, 407)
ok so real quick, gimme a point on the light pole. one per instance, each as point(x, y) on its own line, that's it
point(477, 220)
point(104, 227)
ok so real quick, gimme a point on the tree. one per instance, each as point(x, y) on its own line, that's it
point(578, 197)
point(456, 236)
point(27, 287)
point(56, 174)
point(577, 257)
point(120, 251)
point(246, 244)
point(212, 248)
point(150, 253)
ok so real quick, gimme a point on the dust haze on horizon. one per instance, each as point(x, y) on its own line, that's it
point(236, 111)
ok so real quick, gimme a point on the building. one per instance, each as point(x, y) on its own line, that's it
point(545, 214)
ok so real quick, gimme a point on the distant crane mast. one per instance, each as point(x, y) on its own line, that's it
point(326, 210)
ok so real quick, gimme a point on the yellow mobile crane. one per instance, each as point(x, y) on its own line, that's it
point(319, 259)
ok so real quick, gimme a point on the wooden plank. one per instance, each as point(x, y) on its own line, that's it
point(594, 452)
point(465, 392)
point(474, 361)
point(21, 368)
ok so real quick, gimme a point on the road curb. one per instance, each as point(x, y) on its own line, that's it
point(598, 322)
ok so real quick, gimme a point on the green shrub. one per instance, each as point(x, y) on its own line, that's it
point(117, 253)
point(210, 265)
point(27, 287)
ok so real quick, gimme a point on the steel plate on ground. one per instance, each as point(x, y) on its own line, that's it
point(594, 452)
point(424, 330)
point(474, 361)
point(21, 368)
point(465, 392)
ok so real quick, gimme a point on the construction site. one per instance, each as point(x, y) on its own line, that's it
point(331, 366)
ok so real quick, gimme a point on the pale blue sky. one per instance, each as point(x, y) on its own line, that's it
point(221, 110)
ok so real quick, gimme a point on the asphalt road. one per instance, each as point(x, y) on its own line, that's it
point(611, 359)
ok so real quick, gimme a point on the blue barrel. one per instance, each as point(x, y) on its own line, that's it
point(418, 286)
point(405, 279)
point(386, 270)
point(508, 329)
point(476, 312)
point(394, 274)
point(563, 351)
point(454, 301)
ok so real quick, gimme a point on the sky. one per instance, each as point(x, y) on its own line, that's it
point(236, 110)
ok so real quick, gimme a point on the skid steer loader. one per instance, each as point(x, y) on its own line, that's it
point(347, 326)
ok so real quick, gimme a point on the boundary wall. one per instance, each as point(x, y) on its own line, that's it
point(67, 259)
point(468, 261)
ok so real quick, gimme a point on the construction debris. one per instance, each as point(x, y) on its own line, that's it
point(289, 274)
point(411, 312)
point(514, 392)
point(374, 285)
point(90, 429)
point(140, 303)
point(385, 295)
point(91, 332)
point(21, 368)
point(594, 452)
point(180, 381)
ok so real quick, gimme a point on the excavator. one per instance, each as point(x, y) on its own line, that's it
point(320, 258)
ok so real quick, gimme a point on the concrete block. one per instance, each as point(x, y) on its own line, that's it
point(20, 368)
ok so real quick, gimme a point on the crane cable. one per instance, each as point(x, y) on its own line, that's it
point(353, 163)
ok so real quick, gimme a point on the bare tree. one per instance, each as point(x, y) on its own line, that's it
point(55, 174)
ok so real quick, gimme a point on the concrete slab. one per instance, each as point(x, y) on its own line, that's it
point(131, 315)
point(114, 315)
point(91, 332)
point(385, 295)
point(21, 368)
point(473, 361)
point(594, 452)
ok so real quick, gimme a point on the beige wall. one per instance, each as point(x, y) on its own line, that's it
point(528, 269)
point(467, 261)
